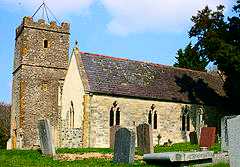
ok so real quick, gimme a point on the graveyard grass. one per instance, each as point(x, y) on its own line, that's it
point(176, 147)
point(157, 149)
point(184, 147)
point(84, 150)
point(33, 158)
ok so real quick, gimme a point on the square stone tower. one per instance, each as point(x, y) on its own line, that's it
point(41, 60)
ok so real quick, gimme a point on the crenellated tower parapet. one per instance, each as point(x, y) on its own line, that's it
point(41, 24)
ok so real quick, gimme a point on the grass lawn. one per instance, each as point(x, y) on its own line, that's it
point(219, 165)
point(176, 147)
point(84, 150)
point(33, 158)
point(157, 149)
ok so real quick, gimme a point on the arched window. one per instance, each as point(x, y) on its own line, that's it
point(150, 118)
point(114, 109)
point(185, 119)
point(118, 116)
point(155, 120)
point(71, 115)
point(111, 122)
point(188, 122)
point(183, 122)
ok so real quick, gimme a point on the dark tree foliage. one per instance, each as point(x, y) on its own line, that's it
point(5, 115)
point(191, 59)
point(218, 39)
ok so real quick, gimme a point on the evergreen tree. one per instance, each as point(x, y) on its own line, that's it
point(191, 59)
point(218, 39)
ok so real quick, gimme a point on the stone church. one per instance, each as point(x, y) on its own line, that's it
point(85, 96)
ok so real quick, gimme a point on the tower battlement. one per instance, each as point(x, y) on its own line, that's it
point(41, 24)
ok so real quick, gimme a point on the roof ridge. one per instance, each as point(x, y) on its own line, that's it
point(141, 61)
point(105, 56)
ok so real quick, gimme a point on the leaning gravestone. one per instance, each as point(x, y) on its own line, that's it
point(207, 136)
point(144, 138)
point(46, 138)
point(234, 141)
point(193, 137)
point(224, 132)
point(113, 130)
point(124, 147)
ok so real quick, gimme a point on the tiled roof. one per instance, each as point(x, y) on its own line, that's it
point(123, 77)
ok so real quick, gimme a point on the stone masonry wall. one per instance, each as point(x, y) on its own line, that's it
point(71, 138)
point(36, 75)
point(134, 112)
point(29, 47)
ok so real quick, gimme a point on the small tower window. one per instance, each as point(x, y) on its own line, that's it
point(45, 43)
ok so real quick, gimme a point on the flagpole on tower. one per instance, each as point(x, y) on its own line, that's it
point(45, 11)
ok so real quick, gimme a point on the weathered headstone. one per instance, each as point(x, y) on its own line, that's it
point(234, 141)
point(144, 138)
point(113, 130)
point(207, 136)
point(193, 137)
point(224, 132)
point(124, 147)
point(46, 137)
point(180, 158)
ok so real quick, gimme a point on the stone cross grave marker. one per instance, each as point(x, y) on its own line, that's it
point(207, 136)
point(224, 132)
point(124, 147)
point(193, 137)
point(113, 130)
point(234, 141)
point(144, 138)
point(46, 137)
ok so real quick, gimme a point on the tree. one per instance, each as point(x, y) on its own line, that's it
point(190, 58)
point(218, 39)
point(5, 115)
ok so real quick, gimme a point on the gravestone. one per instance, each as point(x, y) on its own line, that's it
point(207, 136)
point(124, 147)
point(46, 137)
point(193, 137)
point(113, 130)
point(144, 138)
point(224, 132)
point(174, 159)
point(234, 141)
